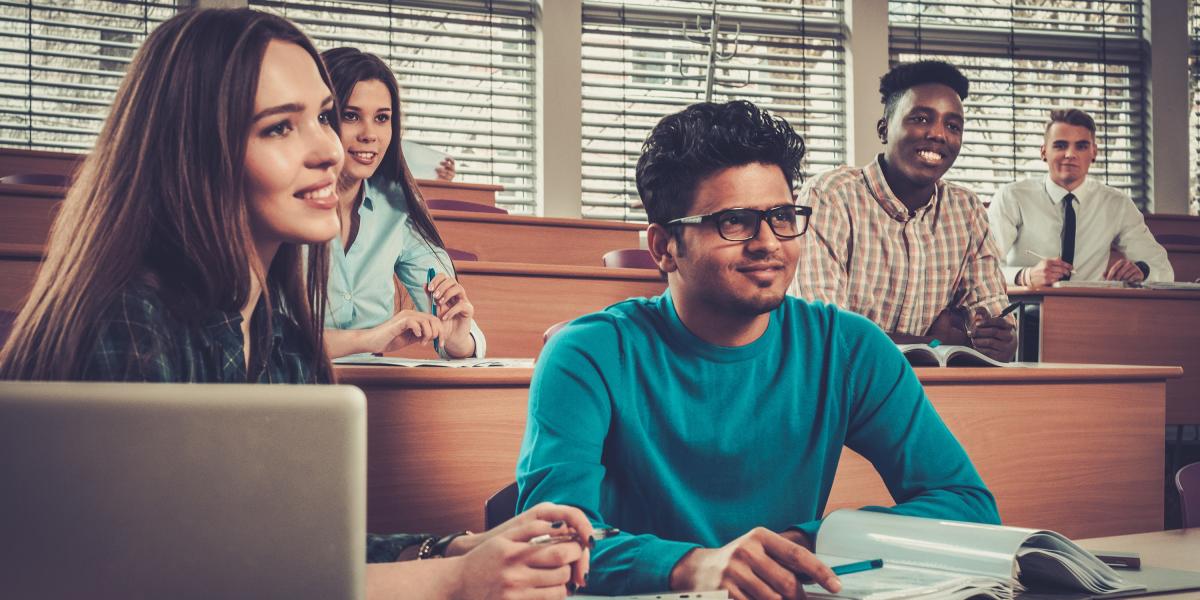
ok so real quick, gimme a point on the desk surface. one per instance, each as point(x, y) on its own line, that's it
point(1174, 549)
point(1136, 293)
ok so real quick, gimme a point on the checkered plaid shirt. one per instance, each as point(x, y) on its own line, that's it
point(865, 252)
point(141, 339)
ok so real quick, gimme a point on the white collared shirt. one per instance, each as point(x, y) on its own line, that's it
point(1027, 217)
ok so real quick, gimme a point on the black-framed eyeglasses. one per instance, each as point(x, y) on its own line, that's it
point(741, 224)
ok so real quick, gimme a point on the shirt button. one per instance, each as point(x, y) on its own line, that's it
point(346, 296)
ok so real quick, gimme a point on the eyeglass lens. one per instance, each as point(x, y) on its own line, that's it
point(743, 223)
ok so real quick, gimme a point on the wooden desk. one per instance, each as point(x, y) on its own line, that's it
point(1175, 549)
point(18, 267)
point(440, 189)
point(440, 442)
point(515, 302)
point(28, 211)
point(14, 161)
point(1125, 326)
point(1185, 260)
point(542, 240)
point(1164, 224)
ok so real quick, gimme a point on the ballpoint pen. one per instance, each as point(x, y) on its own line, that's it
point(854, 567)
point(432, 305)
point(554, 538)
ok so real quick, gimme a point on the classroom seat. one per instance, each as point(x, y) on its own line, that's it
point(501, 507)
point(630, 258)
point(463, 205)
point(1187, 481)
point(456, 254)
point(1178, 238)
point(48, 179)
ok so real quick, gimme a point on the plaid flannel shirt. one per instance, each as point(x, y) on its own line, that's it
point(867, 253)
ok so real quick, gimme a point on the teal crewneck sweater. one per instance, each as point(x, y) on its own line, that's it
point(681, 443)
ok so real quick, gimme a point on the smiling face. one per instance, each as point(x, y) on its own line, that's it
point(1069, 151)
point(366, 129)
point(292, 151)
point(716, 276)
point(924, 135)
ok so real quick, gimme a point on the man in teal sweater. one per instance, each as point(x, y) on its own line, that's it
point(707, 423)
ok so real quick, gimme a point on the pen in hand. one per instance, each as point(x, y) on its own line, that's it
point(432, 304)
point(554, 538)
point(1011, 307)
point(854, 567)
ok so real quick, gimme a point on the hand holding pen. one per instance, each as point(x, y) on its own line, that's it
point(1046, 271)
point(448, 301)
point(993, 336)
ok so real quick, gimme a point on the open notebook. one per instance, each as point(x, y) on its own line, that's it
point(946, 355)
point(939, 559)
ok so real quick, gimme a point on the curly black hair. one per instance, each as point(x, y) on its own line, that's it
point(906, 75)
point(688, 146)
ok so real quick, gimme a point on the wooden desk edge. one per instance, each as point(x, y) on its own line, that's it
point(483, 267)
point(1144, 294)
point(488, 376)
point(478, 217)
point(1047, 372)
point(370, 376)
point(462, 185)
point(22, 251)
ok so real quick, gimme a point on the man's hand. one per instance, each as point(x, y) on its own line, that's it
point(760, 564)
point(950, 327)
point(1123, 270)
point(993, 336)
point(1046, 272)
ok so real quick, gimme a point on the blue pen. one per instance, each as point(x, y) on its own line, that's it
point(854, 567)
point(432, 305)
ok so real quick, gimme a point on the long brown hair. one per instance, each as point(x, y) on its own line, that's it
point(347, 67)
point(162, 196)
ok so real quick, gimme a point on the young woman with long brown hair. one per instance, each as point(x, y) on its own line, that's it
point(386, 229)
point(179, 256)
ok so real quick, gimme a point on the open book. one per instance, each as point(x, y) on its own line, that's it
point(924, 355)
point(933, 558)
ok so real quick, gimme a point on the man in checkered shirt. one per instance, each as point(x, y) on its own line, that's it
point(893, 241)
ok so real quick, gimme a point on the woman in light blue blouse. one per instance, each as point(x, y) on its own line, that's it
point(386, 230)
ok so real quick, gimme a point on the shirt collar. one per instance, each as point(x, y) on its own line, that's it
point(369, 192)
point(887, 200)
point(1057, 192)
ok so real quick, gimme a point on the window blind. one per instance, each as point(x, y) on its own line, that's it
point(466, 73)
point(790, 60)
point(61, 62)
point(1025, 57)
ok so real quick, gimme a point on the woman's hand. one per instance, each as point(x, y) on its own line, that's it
point(501, 564)
point(445, 169)
point(455, 312)
point(405, 328)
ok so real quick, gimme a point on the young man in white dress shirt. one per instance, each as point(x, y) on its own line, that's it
point(1044, 238)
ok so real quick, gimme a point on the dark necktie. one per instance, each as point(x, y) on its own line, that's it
point(1068, 232)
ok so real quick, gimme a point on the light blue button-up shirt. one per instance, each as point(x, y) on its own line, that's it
point(361, 295)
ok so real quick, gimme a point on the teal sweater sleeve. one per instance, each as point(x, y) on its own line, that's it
point(570, 408)
point(894, 426)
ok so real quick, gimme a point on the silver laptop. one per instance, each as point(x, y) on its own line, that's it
point(182, 491)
